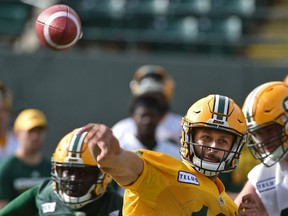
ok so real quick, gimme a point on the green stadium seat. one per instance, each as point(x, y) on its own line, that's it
point(227, 29)
point(91, 9)
point(179, 24)
point(191, 7)
point(13, 16)
point(153, 30)
point(241, 8)
point(148, 7)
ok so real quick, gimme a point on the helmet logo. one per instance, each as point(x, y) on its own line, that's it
point(221, 201)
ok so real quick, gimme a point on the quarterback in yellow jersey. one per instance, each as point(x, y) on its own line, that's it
point(188, 192)
point(213, 134)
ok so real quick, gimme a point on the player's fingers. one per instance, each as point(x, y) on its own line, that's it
point(248, 212)
point(92, 138)
point(249, 198)
point(95, 132)
point(248, 208)
point(95, 150)
point(85, 128)
point(241, 211)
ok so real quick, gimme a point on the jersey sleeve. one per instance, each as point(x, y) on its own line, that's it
point(7, 191)
point(158, 171)
point(23, 204)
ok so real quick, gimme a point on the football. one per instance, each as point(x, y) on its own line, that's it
point(58, 27)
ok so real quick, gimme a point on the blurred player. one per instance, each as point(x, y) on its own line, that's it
point(27, 166)
point(152, 78)
point(78, 186)
point(8, 141)
point(147, 110)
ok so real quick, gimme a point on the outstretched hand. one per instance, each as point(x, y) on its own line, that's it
point(124, 166)
point(249, 206)
point(101, 142)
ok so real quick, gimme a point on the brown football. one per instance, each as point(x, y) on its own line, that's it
point(58, 27)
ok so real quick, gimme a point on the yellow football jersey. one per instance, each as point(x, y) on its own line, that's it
point(170, 187)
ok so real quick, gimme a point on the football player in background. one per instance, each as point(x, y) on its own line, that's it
point(153, 78)
point(147, 111)
point(213, 134)
point(266, 112)
point(27, 166)
point(78, 187)
point(8, 141)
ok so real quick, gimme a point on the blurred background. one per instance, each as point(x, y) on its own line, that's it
point(208, 46)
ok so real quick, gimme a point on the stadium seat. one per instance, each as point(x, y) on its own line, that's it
point(13, 16)
point(179, 30)
point(148, 7)
point(101, 19)
point(241, 8)
point(188, 24)
point(228, 29)
point(154, 30)
point(96, 8)
point(191, 7)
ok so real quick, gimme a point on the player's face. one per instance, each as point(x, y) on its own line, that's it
point(33, 139)
point(76, 181)
point(214, 145)
point(146, 119)
point(268, 138)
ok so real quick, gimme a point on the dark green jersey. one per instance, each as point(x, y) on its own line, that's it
point(24, 204)
point(43, 201)
point(17, 176)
